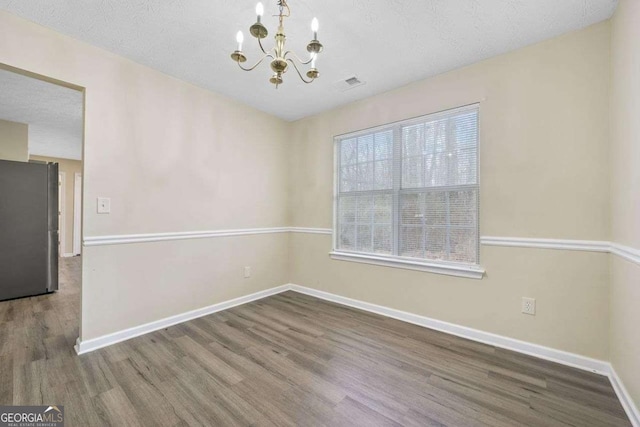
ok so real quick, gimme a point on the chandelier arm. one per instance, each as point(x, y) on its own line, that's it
point(298, 71)
point(262, 48)
point(268, 55)
point(297, 57)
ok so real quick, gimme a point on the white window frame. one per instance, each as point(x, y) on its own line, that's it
point(467, 270)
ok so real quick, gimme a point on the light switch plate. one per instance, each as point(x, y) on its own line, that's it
point(104, 205)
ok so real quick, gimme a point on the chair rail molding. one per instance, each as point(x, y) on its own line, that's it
point(121, 239)
point(562, 244)
point(309, 230)
point(626, 252)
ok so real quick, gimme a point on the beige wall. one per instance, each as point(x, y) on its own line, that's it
point(172, 157)
point(70, 168)
point(544, 173)
point(168, 278)
point(625, 192)
point(14, 141)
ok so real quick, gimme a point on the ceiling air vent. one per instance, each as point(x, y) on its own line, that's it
point(348, 83)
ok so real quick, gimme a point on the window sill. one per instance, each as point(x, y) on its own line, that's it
point(450, 269)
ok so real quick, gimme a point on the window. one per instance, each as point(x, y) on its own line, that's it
point(407, 194)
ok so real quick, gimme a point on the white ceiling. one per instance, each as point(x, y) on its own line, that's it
point(387, 44)
point(53, 113)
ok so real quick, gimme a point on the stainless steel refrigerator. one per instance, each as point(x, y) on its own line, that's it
point(28, 229)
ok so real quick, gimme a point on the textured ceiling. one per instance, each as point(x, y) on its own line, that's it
point(53, 113)
point(386, 43)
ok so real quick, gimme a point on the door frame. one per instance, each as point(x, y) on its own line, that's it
point(77, 214)
point(62, 200)
point(81, 89)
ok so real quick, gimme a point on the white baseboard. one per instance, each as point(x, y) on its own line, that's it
point(547, 353)
point(559, 356)
point(67, 255)
point(539, 351)
point(625, 398)
point(86, 346)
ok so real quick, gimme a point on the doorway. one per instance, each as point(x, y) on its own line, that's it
point(47, 119)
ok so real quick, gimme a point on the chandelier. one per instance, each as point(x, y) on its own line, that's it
point(280, 59)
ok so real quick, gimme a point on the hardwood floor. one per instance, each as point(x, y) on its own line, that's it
point(285, 360)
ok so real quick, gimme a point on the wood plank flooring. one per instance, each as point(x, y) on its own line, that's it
point(287, 360)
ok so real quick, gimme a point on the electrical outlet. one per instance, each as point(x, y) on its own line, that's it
point(247, 272)
point(529, 306)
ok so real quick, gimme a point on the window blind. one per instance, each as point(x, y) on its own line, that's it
point(410, 189)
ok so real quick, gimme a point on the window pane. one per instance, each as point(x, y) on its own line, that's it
point(412, 208)
point(348, 151)
point(365, 148)
point(363, 240)
point(412, 172)
point(462, 167)
point(436, 243)
point(441, 152)
point(442, 213)
point(463, 207)
point(365, 176)
point(349, 178)
point(436, 208)
point(382, 240)
point(347, 237)
point(366, 162)
point(466, 129)
point(383, 210)
point(347, 210)
point(436, 189)
point(463, 245)
point(413, 140)
point(435, 170)
point(435, 133)
point(383, 175)
point(384, 145)
point(365, 223)
point(412, 241)
point(364, 210)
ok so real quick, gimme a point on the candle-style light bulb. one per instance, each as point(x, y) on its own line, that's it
point(314, 28)
point(240, 39)
point(259, 11)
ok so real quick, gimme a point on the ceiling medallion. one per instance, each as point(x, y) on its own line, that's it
point(280, 59)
